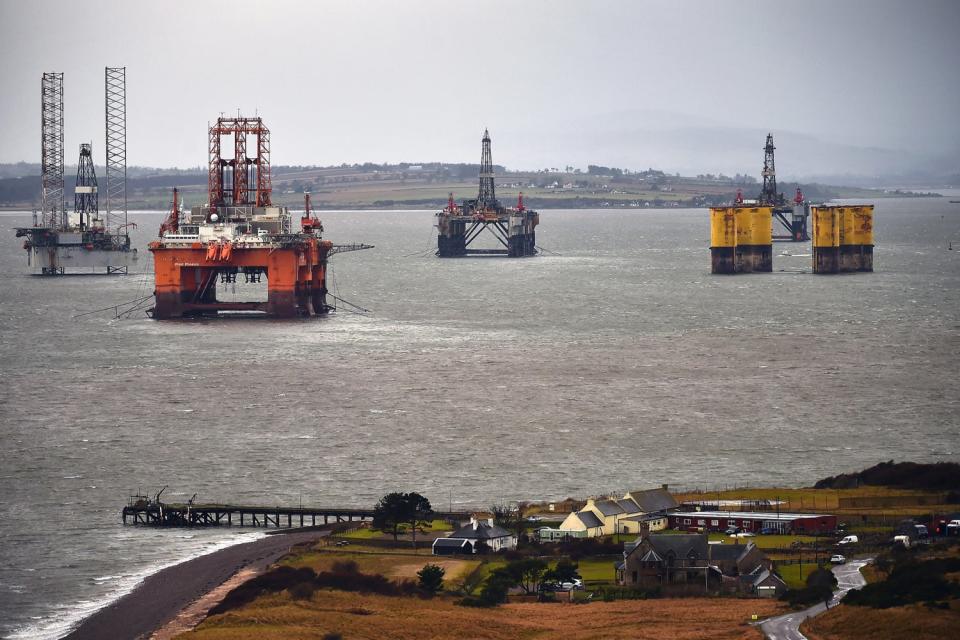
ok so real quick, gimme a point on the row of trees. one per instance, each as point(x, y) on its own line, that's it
point(396, 511)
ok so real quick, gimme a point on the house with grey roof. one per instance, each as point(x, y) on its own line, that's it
point(474, 537)
point(687, 563)
point(621, 515)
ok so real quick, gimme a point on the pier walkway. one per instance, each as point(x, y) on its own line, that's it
point(158, 514)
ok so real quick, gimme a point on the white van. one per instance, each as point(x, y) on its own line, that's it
point(849, 540)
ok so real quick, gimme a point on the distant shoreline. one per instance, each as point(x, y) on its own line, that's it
point(554, 204)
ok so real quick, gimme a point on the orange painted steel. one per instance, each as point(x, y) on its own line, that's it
point(186, 277)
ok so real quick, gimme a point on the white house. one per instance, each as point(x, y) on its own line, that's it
point(477, 532)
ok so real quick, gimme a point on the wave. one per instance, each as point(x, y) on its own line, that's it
point(65, 617)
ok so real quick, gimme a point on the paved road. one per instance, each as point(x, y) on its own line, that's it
point(787, 627)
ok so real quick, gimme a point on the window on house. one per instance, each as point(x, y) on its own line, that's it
point(714, 523)
point(701, 522)
point(686, 521)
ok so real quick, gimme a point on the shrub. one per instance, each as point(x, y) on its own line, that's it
point(495, 589)
point(821, 577)
point(273, 581)
point(909, 582)
point(808, 595)
point(431, 578)
point(345, 566)
point(302, 591)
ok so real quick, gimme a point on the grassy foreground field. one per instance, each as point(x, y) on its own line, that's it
point(377, 617)
point(861, 623)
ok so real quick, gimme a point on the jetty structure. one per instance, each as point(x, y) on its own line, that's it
point(240, 232)
point(87, 240)
point(152, 512)
point(513, 227)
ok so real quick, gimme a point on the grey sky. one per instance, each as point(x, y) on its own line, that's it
point(686, 86)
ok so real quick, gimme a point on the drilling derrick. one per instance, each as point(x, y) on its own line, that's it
point(513, 228)
point(769, 195)
point(234, 176)
point(487, 197)
point(85, 198)
point(53, 212)
point(793, 217)
point(240, 232)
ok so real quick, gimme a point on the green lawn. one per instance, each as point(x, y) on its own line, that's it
point(435, 526)
point(596, 569)
point(764, 542)
point(791, 574)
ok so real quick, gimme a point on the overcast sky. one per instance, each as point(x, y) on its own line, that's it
point(633, 84)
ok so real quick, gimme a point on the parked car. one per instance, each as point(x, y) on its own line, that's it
point(837, 559)
point(903, 541)
point(732, 531)
point(768, 531)
point(953, 528)
point(849, 540)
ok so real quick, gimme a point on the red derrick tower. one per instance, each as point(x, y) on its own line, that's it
point(229, 179)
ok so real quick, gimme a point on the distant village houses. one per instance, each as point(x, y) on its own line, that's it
point(644, 510)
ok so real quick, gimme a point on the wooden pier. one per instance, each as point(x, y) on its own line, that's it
point(156, 514)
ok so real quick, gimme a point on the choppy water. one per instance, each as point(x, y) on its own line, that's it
point(619, 363)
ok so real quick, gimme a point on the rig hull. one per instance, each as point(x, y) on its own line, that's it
point(186, 278)
point(58, 252)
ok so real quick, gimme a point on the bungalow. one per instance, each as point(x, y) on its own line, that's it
point(580, 524)
point(474, 537)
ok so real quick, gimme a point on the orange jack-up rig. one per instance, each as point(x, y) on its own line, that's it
point(239, 231)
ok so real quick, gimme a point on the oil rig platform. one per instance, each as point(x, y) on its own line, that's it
point(239, 232)
point(459, 225)
point(83, 241)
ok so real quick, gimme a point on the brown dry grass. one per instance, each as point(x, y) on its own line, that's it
point(377, 617)
point(389, 565)
point(916, 622)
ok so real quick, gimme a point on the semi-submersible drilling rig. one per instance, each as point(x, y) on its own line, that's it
point(240, 231)
point(459, 226)
point(83, 241)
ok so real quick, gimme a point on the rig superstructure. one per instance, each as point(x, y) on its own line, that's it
point(793, 218)
point(240, 231)
point(459, 225)
point(83, 241)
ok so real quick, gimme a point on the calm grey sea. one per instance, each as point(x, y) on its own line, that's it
point(615, 362)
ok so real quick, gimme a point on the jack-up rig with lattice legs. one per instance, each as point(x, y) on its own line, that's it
point(84, 241)
point(513, 227)
point(240, 232)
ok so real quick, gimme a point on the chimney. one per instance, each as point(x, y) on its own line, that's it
point(490, 522)
point(473, 522)
point(665, 487)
